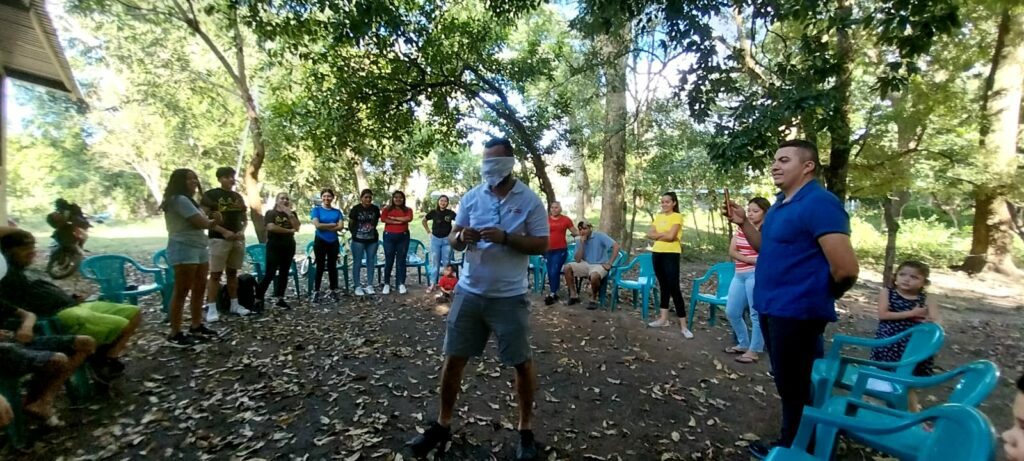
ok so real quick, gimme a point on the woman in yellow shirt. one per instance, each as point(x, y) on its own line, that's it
point(667, 231)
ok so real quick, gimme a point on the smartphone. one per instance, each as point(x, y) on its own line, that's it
point(726, 195)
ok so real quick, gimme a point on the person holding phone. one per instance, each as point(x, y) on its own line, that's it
point(282, 224)
point(499, 225)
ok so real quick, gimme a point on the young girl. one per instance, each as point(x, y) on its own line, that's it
point(447, 283)
point(901, 307)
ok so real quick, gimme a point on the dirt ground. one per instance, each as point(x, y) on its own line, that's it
point(357, 380)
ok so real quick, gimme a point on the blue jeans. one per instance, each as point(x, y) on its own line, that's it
point(741, 296)
point(359, 252)
point(440, 255)
point(396, 250)
point(555, 260)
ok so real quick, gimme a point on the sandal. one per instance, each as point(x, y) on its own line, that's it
point(747, 359)
point(735, 350)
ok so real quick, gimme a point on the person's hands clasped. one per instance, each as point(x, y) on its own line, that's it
point(493, 234)
point(470, 236)
point(23, 335)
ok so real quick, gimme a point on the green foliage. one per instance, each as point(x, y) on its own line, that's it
point(927, 240)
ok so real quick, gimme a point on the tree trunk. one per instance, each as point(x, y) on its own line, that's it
point(579, 159)
point(992, 241)
point(840, 131)
point(362, 182)
point(627, 241)
point(892, 212)
point(615, 52)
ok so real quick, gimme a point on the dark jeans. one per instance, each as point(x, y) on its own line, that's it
point(666, 270)
point(279, 264)
point(555, 260)
point(793, 345)
point(396, 249)
point(326, 260)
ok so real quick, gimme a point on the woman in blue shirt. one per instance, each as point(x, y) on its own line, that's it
point(328, 222)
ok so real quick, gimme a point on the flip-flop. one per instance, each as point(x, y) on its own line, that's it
point(746, 359)
point(735, 350)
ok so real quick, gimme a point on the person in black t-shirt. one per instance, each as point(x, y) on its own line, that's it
point(282, 224)
point(362, 223)
point(440, 251)
point(227, 250)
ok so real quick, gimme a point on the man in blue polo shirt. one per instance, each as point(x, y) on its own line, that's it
point(805, 263)
point(499, 225)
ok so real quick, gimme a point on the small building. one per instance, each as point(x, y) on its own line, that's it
point(31, 53)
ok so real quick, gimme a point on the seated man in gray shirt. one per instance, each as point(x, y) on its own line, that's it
point(592, 259)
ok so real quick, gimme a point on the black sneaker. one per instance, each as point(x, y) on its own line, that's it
point(572, 301)
point(281, 303)
point(180, 340)
point(549, 300)
point(436, 436)
point(202, 332)
point(760, 449)
point(592, 305)
point(527, 449)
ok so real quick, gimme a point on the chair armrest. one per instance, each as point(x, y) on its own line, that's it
point(704, 278)
point(839, 341)
point(813, 417)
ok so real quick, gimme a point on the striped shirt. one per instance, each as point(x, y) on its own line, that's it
point(743, 247)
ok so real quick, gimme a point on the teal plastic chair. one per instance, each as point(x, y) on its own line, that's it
point(80, 387)
point(538, 268)
point(837, 370)
point(419, 257)
point(958, 432)
point(974, 382)
point(109, 272)
point(10, 389)
point(343, 267)
point(643, 286)
point(725, 272)
point(619, 260)
point(456, 258)
point(256, 254)
point(160, 262)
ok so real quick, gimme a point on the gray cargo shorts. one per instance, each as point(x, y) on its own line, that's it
point(472, 318)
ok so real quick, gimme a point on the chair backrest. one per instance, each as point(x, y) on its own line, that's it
point(108, 271)
point(161, 262)
point(417, 250)
point(977, 380)
point(926, 339)
point(457, 261)
point(646, 263)
point(257, 254)
point(726, 271)
point(620, 258)
point(309, 248)
point(536, 261)
point(960, 432)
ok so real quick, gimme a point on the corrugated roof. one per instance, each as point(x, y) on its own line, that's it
point(29, 49)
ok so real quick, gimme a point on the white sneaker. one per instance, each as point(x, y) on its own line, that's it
point(360, 292)
point(659, 324)
point(211, 314)
point(402, 290)
point(687, 333)
point(386, 290)
point(369, 290)
point(239, 310)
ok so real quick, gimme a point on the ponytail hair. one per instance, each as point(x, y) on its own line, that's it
point(675, 200)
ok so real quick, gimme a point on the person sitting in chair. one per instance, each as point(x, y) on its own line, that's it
point(111, 325)
point(593, 260)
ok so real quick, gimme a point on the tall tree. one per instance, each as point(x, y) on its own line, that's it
point(216, 26)
point(992, 240)
point(615, 49)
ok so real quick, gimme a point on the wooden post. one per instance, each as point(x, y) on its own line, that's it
point(3, 144)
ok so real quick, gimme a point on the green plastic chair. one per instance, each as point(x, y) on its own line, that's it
point(109, 272)
point(80, 387)
point(958, 432)
point(974, 382)
point(343, 267)
point(643, 286)
point(725, 273)
point(419, 257)
point(538, 268)
point(837, 370)
point(160, 262)
point(256, 254)
point(10, 389)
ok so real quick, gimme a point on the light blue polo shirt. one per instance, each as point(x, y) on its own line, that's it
point(495, 270)
point(596, 248)
point(792, 276)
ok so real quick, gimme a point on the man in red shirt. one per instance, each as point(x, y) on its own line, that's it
point(558, 249)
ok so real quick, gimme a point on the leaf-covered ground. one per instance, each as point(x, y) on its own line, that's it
point(356, 380)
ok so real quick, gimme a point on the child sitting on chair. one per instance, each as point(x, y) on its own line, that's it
point(447, 283)
point(900, 308)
